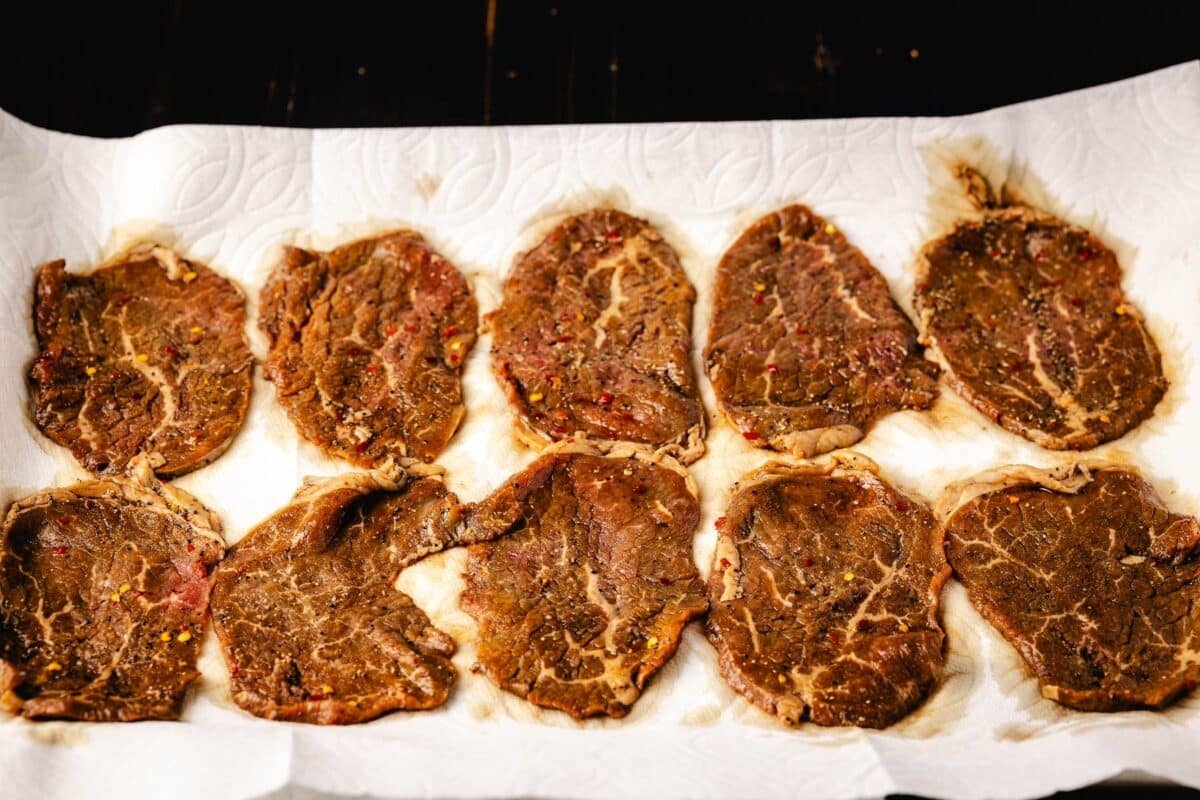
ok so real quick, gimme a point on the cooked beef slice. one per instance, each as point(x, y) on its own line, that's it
point(145, 354)
point(807, 349)
point(367, 344)
point(1089, 577)
point(593, 337)
point(104, 598)
point(306, 608)
point(1027, 316)
point(824, 590)
point(586, 595)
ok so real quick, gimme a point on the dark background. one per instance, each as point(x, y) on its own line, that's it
point(115, 70)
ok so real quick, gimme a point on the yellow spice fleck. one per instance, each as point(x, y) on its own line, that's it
point(782, 678)
point(652, 641)
point(116, 598)
point(760, 287)
point(143, 357)
point(904, 627)
point(536, 397)
point(165, 636)
point(456, 345)
point(579, 316)
point(53, 666)
point(90, 370)
point(197, 329)
point(1012, 498)
point(124, 587)
point(326, 689)
point(849, 576)
point(189, 276)
point(1105, 418)
point(830, 228)
point(186, 636)
point(1121, 310)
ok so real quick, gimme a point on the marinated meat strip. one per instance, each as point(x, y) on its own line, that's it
point(807, 349)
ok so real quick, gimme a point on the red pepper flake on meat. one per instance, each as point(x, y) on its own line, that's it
point(902, 505)
point(565, 339)
point(171, 351)
point(1086, 254)
point(771, 368)
point(725, 563)
point(720, 522)
point(353, 351)
point(372, 369)
point(361, 447)
point(449, 331)
point(833, 637)
point(665, 581)
point(808, 562)
point(801, 330)
point(191, 548)
point(606, 398)
point(613, 236)
point(60, 550)
point(639, 488)
point(750, 436)
point(758, 299)
point(864, 625)
point(390, 330)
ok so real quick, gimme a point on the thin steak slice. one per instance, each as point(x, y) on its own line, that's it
point(367, 344)
point(104, 598)
point(1027, 316)
point(824, 591)
point(1088, 575)
point(145, 354)
point(807, 349)
point(588, 594)
point(593, 336)
point(306, 608)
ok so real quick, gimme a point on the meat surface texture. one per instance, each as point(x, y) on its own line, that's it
point(807, 349)
point(367, 344)
point(593, 336)
point(306, 608)
point(1090, 577)
point(104, 599)
point(146, 354)
point(1027, 316)
point(587, 594)
point(824, 591)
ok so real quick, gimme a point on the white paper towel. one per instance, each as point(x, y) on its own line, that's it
point(1123, 159)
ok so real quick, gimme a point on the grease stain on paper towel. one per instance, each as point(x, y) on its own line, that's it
point(56, 734)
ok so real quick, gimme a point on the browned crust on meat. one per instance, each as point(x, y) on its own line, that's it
point(593, 337)
point(807, 349)
point(147, 353)
point(104, 598)
point(1026, 315)
point(585, 594)
point(367, 345)
point(1084, 571)
point(810, 623)
point(306, 609)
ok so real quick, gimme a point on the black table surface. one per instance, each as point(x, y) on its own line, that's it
point(109, 70)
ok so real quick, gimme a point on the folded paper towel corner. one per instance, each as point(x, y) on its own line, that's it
point(1123, 159)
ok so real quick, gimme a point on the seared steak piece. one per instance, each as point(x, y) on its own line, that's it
point(104, 598)
point(307, 611)
point(367, 344)
point(593, 337)
point(807, 348)
point(824, 591)
point(586, 596)
point(146, 354)
point(1027, 316)
point(1088, 575)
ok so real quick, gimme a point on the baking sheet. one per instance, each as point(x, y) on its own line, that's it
point(1123, 159)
